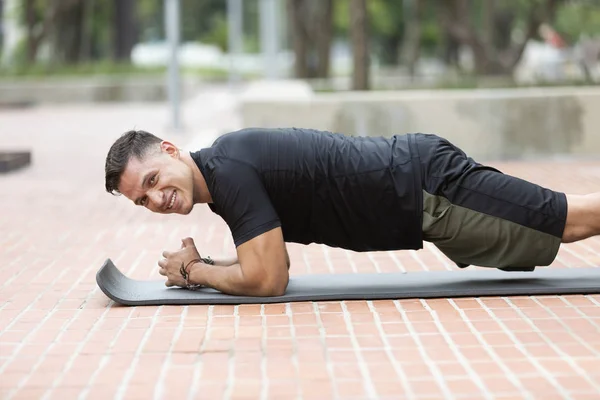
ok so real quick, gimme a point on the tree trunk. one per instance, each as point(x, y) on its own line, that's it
point(360, 46)
point(504, 20)
point(87, 16)
point(451, 50)
point(125, 29)
point(323, 38)
point(390, 49)
point(60, 28)
point(312, 32)
point(31, 22)
point(489, 25)
point(68, 30)
point(299, 38)
point(412, 36)
point(37, 26)
point(490, 57)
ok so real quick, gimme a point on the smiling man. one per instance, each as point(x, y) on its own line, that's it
point(273, 186)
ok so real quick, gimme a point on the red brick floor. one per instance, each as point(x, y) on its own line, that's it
point(61, 338)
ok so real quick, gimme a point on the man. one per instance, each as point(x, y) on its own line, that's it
point(273, 186)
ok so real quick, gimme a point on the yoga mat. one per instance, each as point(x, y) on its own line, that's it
point(363, 286)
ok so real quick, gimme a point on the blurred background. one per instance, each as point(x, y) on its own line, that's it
point(503, 79)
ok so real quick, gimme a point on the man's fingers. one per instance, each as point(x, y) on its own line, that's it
point(162, 263)
point(166, 254)
point(162, 271)
point(169, 284)
point(187, 242)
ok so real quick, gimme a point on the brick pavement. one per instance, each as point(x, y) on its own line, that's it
point(61, 338)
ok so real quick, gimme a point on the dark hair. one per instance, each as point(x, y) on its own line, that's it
point(131, 144)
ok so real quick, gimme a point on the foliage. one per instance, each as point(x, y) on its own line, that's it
point(386, 26)
point(218, 34)
point(386, 17)
point(206, 21)
point(431, 35)
point(579, 18)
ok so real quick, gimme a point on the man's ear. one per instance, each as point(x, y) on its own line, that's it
point(169, 148)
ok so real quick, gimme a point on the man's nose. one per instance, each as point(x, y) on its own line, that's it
point(156, 198)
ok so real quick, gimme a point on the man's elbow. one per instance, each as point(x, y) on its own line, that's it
point(269, 287)
point(273, 288)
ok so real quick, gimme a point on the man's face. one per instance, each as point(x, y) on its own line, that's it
point(161, 181)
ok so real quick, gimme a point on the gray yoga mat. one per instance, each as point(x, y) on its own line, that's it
point(364, 286)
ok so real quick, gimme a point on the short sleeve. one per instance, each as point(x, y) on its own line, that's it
point(240, 198)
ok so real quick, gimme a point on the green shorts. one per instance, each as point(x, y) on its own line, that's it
point(469, 237)
point(476, 215)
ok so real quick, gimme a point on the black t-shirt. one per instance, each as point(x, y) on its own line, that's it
point(357, 193)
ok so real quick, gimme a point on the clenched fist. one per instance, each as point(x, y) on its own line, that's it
point(176, 265)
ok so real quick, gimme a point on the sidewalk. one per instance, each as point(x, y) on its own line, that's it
point(61, 338)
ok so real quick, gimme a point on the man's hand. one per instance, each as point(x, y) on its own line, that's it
point(262, 271)
point(176, 265)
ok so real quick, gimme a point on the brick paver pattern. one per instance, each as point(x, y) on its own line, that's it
point(61, 338)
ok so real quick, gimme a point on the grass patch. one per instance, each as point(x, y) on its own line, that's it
point(39, 71)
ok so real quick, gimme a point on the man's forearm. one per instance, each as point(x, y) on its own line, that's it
point(225, 261)
point(229, 280)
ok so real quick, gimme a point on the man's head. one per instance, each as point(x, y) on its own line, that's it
point(150, 172)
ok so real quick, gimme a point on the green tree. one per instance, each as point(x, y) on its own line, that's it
point(79, 31)
point(578, 18)
point(487, 29)
point(201, 20)
point(387, 29)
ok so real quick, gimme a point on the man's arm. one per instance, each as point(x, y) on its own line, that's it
point(262, 269)
point(225, 261)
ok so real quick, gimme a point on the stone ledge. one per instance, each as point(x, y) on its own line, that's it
point(488, 124)
point(92, 90)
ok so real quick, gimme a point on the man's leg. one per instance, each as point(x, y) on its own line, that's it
point(491, 234)
point(477, 215)
point(583, 217)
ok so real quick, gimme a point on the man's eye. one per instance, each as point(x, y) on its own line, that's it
point(152, 180)
point(143, 201)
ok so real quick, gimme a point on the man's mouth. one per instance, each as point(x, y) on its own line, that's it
point(172, 201)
